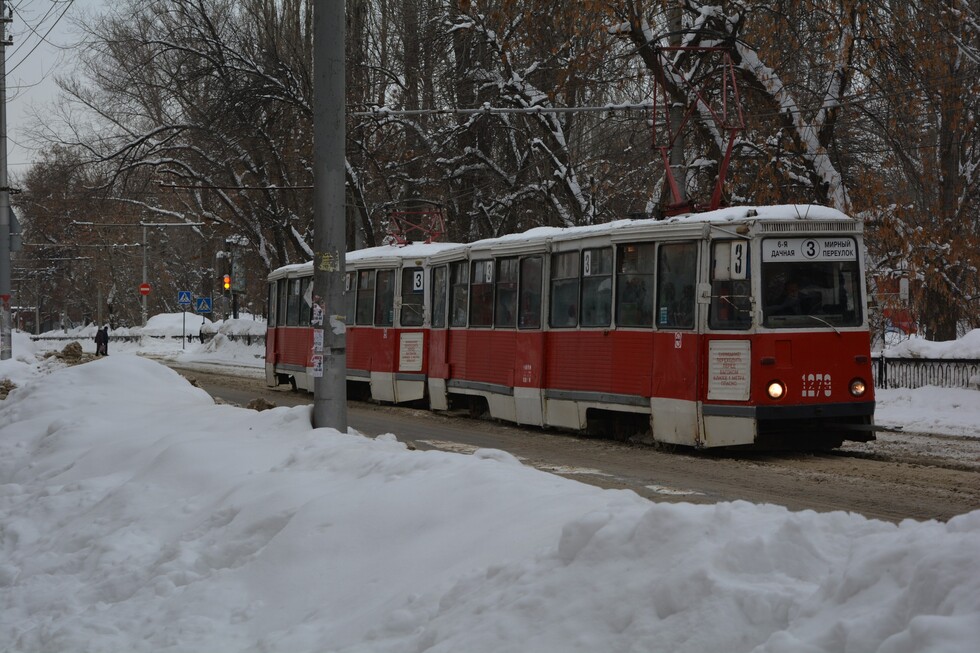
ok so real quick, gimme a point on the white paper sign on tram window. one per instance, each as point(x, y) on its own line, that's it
point(410, 352)
point(729, 370)
point(824, 248)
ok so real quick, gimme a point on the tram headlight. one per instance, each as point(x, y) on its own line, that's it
point(858, 387)
point(776, 389)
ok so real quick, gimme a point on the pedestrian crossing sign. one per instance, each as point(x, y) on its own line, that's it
point(184, 297)
point(203, 305)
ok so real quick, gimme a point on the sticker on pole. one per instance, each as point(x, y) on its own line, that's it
point(317, 361)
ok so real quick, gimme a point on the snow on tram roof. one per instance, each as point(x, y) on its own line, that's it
point(411, 250)
point(787, 212)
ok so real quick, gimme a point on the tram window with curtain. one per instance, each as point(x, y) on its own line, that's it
point(597, 267)
point(440, 297)
point(384, 298)
point(413, 297)
point(271, 310)
point(294, 302)
point(481, 294)
point(283, 292)
point(365, 297)
point(564, 289)
point(636, 263)
point(305, 308)
point(505, 307)
point(460, 293)
point(350, 296)
point(677, 271)
point(530, 293)
point(731, 299)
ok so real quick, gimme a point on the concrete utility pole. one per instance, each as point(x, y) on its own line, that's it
point(5, 322)
point(329, 217)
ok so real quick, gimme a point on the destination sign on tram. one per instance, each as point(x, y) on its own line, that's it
point(828, 248)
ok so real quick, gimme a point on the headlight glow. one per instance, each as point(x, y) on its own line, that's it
point(858, 387)
point(776, 389)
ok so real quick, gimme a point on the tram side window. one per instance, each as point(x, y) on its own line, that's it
point(350, 296)
point(505, 308)
point(384, 298)
point(272, 304)
point(564, 289)
point(677, 271)
point(731, 300)
point(530, 293)
point(634, 284)
point(365, 297)
point(294, 302)
point(305, 301)
point(440, 297)
point(460, 283)
point(282, 292)
point(481, 294)
point(413, 297)
point(597, 267)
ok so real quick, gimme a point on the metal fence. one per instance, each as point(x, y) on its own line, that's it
point(246, 338)
point(918, 372)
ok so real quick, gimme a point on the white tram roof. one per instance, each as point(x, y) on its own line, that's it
point(772, 213)
point(368, 254)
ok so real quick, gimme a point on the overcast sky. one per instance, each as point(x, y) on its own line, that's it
point(45, 38)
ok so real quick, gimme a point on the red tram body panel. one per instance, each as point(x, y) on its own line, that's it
point(743, 326)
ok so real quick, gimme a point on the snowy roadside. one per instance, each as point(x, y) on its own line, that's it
point(137, 515)
point(929, 410)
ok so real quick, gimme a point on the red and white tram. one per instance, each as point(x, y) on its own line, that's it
point(741, 326)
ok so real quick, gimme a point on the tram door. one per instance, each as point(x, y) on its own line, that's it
point(726, 348)
point(437, 355)
point(410, 357)
point(674, 397)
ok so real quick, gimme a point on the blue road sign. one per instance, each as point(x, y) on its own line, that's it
point(184, 297)
point(203, 305)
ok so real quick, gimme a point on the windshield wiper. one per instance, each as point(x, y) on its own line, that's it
point(820, 319)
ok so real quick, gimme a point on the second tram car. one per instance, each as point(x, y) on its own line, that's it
point(742, 326)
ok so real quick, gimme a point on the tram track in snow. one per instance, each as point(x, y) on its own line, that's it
point(899, 476)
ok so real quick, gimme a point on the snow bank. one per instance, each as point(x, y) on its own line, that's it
point(930, 409)
point(918, 347)
point(172, 324)
point(136, 515)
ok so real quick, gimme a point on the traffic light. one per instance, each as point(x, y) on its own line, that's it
point(227, 282)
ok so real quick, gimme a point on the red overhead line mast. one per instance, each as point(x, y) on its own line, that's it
point(715, 93)
point(420, 225)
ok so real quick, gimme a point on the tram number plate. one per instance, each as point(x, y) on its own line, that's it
point(816, 385)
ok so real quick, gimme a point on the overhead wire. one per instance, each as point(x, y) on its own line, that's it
point(41, 39)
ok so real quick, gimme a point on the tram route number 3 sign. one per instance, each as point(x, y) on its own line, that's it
point(826, 248)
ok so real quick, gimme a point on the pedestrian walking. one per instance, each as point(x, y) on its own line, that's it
point(102, 341)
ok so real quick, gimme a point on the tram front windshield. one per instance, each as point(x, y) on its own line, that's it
point(811, 282)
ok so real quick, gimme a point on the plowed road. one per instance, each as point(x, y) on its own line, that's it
point(900, 476)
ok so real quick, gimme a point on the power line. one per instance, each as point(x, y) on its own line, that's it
point(381, 112)
point(42, 39)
